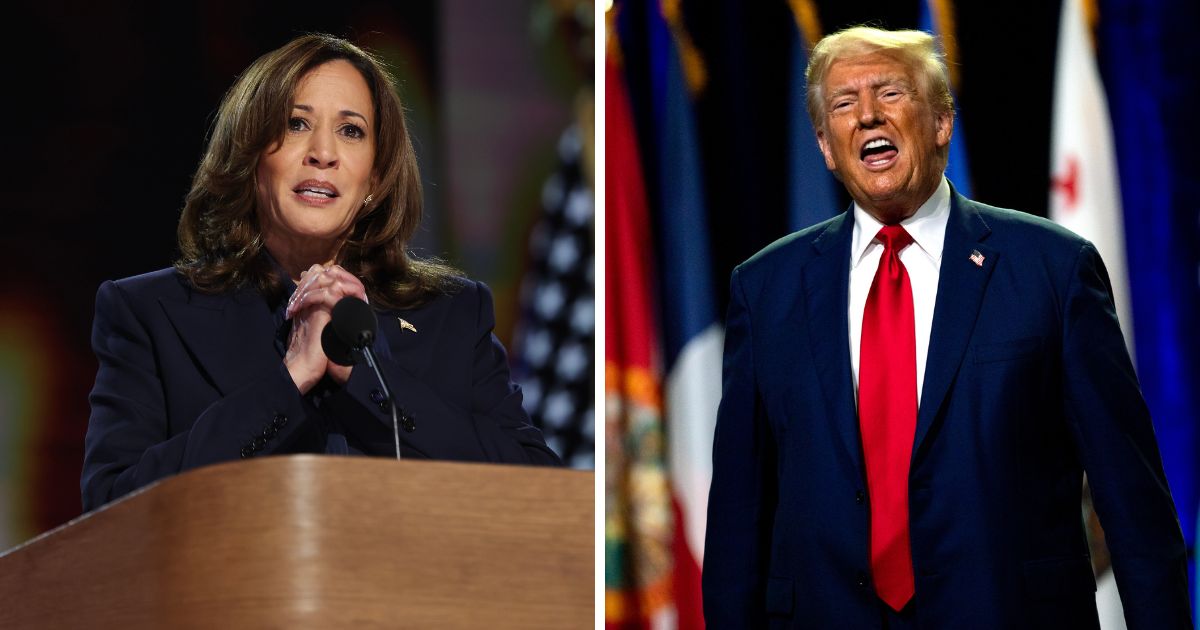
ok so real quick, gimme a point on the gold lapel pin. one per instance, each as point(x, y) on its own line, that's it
point(404, 325)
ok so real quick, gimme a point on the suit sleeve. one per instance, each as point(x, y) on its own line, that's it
point(503, 426)
point(496, 427)
point(130, 442)
point(741, 502)
point(1115, 438)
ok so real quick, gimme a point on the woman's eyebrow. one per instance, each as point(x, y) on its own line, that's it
point(345, 113)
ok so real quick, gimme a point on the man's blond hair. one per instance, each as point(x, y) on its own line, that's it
point(915, 49)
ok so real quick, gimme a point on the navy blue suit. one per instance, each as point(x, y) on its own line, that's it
point(1028, 383)
point(188, 379)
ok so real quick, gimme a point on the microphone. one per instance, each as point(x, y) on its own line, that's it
point(347, 340)
point(354, 322)
point(335, 349)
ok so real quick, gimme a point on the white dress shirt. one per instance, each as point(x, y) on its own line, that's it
point(922, 259)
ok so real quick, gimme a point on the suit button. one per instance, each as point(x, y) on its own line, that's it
point(385, 406)
point(247, 452)
point(860, 497)
point(279, 421)
point(377, 396)
point(861, 580)
point(259, 443)
point(269, 432)
point(408, 422)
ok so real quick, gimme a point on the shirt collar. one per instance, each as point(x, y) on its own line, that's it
point(927, 226)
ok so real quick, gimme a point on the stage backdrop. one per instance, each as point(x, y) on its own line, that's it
point(114, 101)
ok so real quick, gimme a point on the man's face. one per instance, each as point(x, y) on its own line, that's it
point(880, 135)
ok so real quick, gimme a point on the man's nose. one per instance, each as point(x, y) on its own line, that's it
point(322, 151)
point(869, 113)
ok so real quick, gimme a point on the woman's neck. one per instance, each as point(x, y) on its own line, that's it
point(295, 256)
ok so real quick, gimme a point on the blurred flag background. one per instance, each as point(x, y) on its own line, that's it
point(115, 100)
point(1074, 112)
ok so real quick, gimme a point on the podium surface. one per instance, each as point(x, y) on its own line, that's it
point(323, 542)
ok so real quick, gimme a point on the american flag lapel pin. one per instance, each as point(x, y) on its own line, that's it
point(976, 258)
point(404, 325)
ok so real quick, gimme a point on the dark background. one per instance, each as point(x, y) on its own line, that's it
point(108, 106)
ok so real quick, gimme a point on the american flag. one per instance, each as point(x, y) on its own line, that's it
point(554, 361)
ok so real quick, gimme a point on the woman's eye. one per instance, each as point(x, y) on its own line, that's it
point(297, 124)
point(353, 131)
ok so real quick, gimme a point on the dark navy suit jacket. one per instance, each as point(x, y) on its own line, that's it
point(1028, 383)
point(188, 379)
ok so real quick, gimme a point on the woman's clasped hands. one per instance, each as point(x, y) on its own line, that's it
point(310, 309)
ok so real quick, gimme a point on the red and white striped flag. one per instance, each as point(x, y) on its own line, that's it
point(1085, 191)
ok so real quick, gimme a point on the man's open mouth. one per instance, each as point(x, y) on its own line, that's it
point(878, 152)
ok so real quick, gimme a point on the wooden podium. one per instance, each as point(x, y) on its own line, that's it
point(319, 542)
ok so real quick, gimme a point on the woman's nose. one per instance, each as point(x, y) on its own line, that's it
point(322, 151)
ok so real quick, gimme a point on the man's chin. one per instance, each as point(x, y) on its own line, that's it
point(888, 206)
point(877, 196)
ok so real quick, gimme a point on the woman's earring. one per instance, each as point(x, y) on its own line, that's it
point(367, 201)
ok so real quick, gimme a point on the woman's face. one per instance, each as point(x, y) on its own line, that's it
point(310, 186)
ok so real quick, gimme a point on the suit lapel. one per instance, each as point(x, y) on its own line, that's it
point(826, 290)
point(230, 336)
point(411, 347)
point(962, 280)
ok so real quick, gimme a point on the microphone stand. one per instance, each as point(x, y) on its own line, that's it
point(347, 340)
point(369, 354)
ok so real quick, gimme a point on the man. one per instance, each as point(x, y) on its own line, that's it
point(913, 390)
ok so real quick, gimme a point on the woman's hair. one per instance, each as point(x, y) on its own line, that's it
point(915, 49)
point(220, 234)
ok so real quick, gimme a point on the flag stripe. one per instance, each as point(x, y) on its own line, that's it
point(638, 512)
point(1085, 195)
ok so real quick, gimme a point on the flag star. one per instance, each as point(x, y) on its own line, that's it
point(583, 317)
point(549, 300)
point(563, 253)
point(569, 145)
point(538, 346)
point(588, 428)
point(572, 361)
point(558, 409)
point(579, 207)
point(531, 394)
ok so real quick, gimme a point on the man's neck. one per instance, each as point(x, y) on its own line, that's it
point(892, 212)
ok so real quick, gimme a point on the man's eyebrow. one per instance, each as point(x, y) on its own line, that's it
point(875, 84)
point(899, 80)
point(345, 113)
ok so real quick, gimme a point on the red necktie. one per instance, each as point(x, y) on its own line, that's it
point(887, 412)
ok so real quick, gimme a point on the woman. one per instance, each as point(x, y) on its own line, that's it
point(308, 193)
